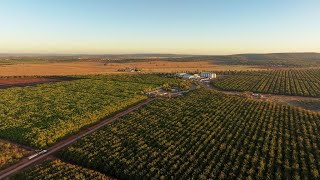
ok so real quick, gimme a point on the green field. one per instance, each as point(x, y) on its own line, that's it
point(41, 115)
point(10, 153)
point(56, 169)
point(271, 60)
point(264, 60)
point(284, 82)
point(8, 60)
point(205, 135)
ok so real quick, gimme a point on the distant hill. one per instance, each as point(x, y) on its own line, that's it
point(272, 59)
point(281, 56)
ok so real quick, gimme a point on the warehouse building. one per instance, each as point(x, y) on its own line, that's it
point(209, 75)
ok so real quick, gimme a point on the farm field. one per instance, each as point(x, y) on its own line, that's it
point(56, 169)
point(10, 153)
point(85, 68)
point(40, 115)
point(272, 60)
point(6, 82)
point(284, 82)
point(203, 135)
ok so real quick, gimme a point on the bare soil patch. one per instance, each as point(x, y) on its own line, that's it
point(307, 103)
point(8, 82)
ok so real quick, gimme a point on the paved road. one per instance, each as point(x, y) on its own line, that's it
point(66, 142)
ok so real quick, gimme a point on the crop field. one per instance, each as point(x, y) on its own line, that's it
point(205, 135)
point(40, 115)
point(10, 153)
point(56, 169)
point(85, 68)
point(285, 82)
point(272, 60)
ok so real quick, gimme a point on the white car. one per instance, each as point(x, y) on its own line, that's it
point(42, 152)
point(37, 154)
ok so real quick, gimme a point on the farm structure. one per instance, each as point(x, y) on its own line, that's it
point(209, 75)
point(189, 76)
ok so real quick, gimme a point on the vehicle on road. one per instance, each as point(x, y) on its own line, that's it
point(37, 154)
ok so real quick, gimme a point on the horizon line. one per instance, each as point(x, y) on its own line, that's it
point(169, 54)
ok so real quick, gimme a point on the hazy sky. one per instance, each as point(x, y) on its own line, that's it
point(159, 26)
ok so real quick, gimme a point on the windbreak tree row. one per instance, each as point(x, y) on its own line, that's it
point(56, 169)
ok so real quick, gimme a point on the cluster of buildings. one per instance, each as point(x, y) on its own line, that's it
point(130, 70)
point(207, 75)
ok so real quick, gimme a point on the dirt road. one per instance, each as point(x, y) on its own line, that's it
point(66, 142)
point(307, 103)
point(271, 97)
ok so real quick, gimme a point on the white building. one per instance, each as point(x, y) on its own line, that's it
point(196, 76)
point(209, 75)
point(188, 76)
point(180, 74)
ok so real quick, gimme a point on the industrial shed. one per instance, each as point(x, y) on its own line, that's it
point(209, 75)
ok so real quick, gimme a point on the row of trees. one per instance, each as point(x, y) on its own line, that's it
point(286, 82)
point(56, 169)
point(205, 135)
point(40, 115)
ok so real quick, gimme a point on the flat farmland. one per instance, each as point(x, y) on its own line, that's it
point(10, 153)
point(285, 82)
point(205, 135)
point(56, 169)
point(40, 115)
point(84, 68)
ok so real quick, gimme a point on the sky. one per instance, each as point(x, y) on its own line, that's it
point(159, 26)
